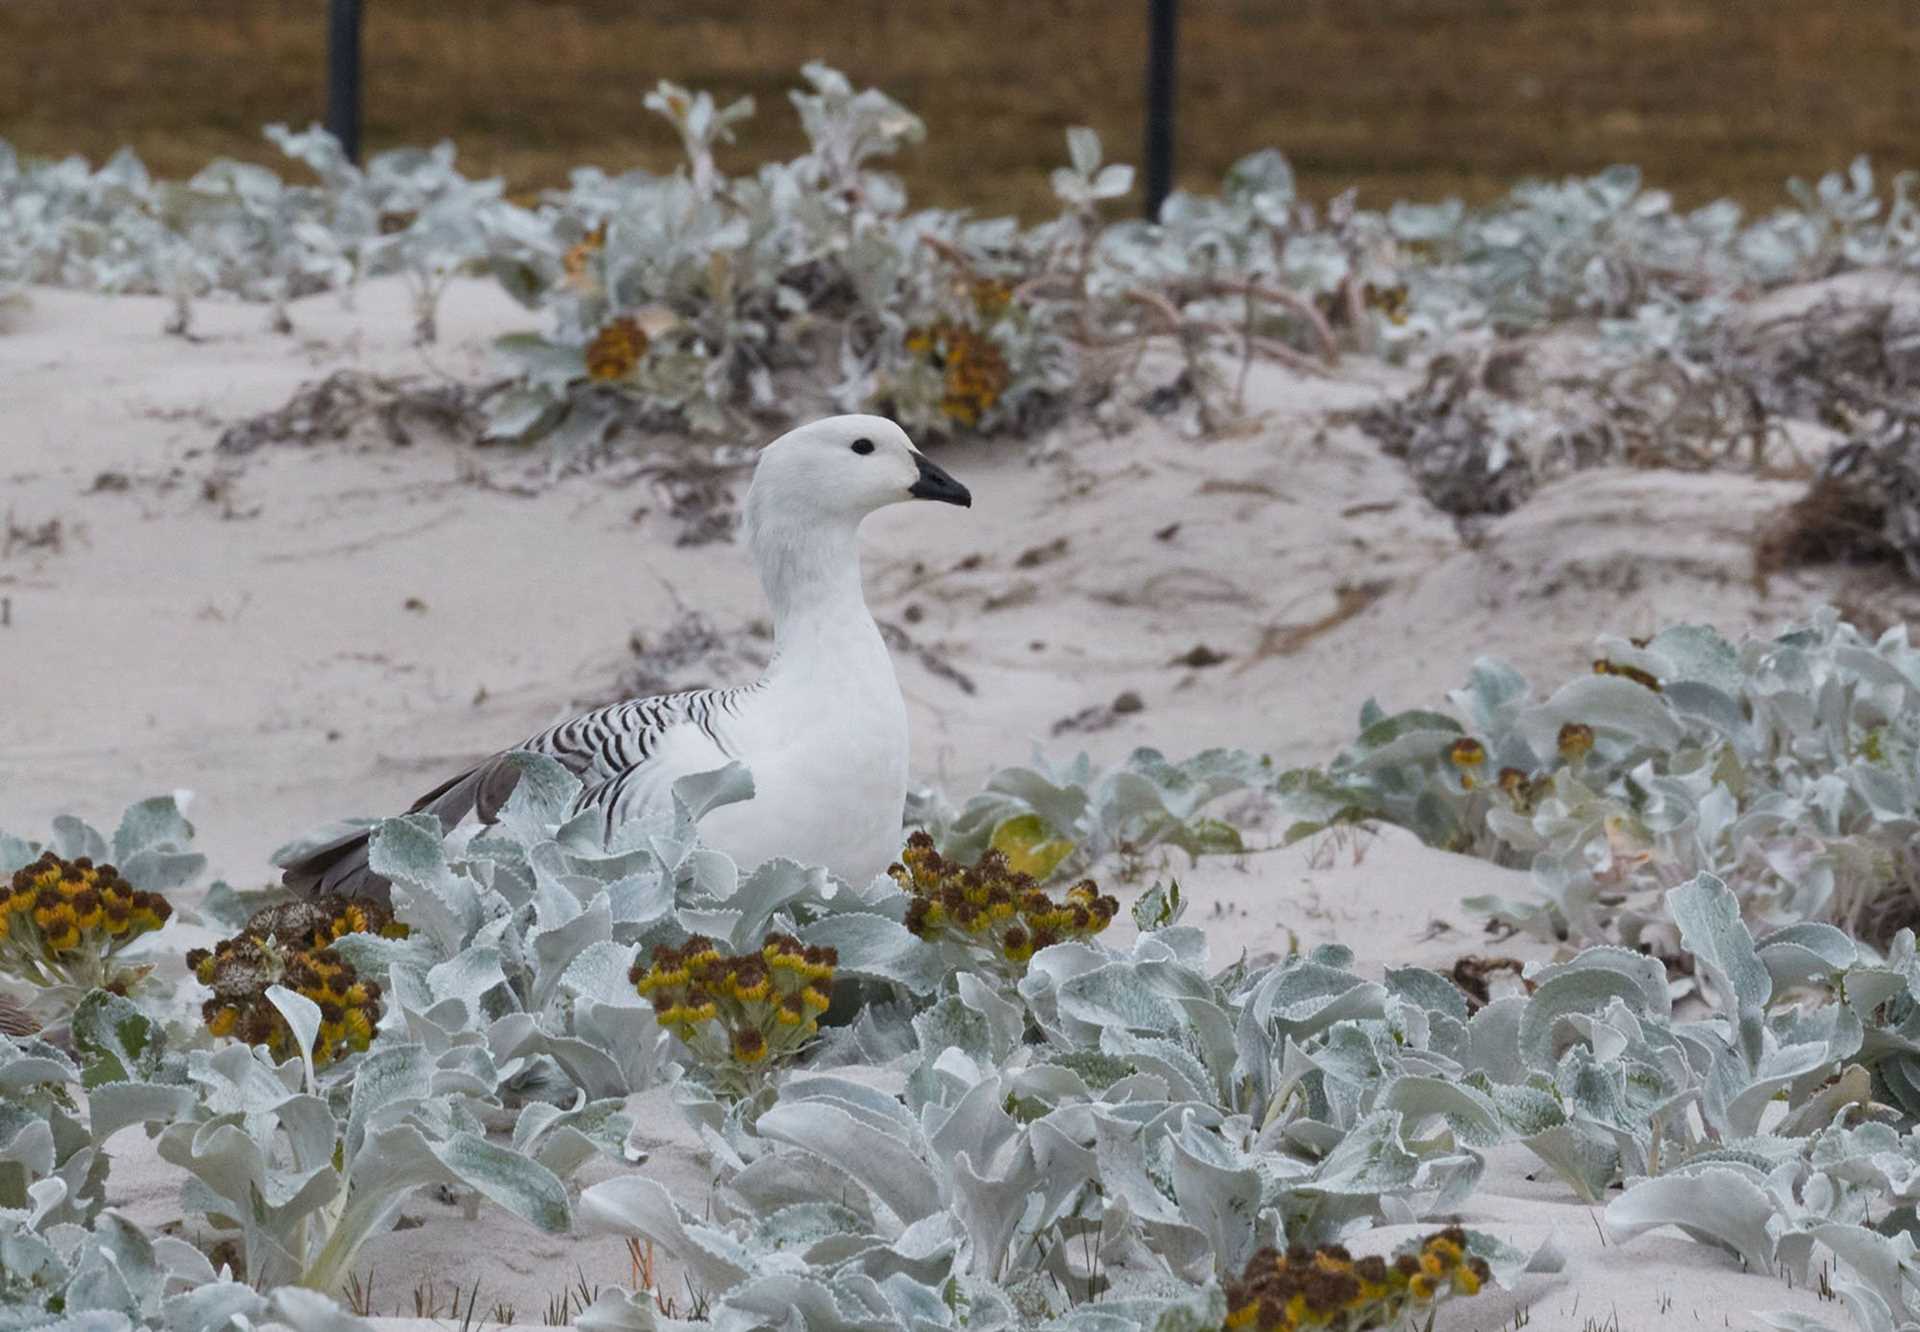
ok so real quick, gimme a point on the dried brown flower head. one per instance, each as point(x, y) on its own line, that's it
point(318, 921)
point(240, 970)
point(1467, 756)
point(290, 944)
point(1389, 301)
point(992, 297)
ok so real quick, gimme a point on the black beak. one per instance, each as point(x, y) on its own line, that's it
point(935, 484)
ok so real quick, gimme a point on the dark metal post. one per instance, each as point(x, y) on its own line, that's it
point(343, 74)
point(1162, 24)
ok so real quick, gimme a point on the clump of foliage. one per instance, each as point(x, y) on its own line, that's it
point(1711, 387)
point(742, 1016)
point(1802, 1016)
point(1052, 820)
point(1329, 1288)
point(702, 301)
point(1857, 371)
point(44, 1136)
point(299, 1165)
point(66, 922)
point(79, 911)
point(696, 300)
point(998, 918)
point(1784, 766)
point(1111, 1138)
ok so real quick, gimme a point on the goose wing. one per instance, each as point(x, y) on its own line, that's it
point(626, 756)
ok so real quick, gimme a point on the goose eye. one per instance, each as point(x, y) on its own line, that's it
point(863, 446)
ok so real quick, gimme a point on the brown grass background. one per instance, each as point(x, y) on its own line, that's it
point(1404, 98)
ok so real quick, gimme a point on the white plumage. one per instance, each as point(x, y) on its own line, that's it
point(823, 731)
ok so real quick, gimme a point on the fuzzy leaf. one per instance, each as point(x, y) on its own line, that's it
point(524, 1187)
point(1708, 915)
point(893, 1172)
point(873, 946)
point(635, 1205)
point(119, 1042)
point(153, 824)
point(1716, 1206)
point(1030, 845)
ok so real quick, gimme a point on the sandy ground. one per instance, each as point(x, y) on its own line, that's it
point(307, 633)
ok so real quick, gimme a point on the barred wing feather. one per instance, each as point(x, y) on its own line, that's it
point(627, 757)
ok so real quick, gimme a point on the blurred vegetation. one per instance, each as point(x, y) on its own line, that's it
point(1404, 98)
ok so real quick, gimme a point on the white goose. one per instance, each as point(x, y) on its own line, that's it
point(823, 731)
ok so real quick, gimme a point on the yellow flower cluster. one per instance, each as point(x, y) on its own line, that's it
point(1330, 1288)
point(1524, 790)
point(290, 945)
point(61, 921)
point(974, 372)
point(616, 349)
point(1005, 916)
point(739, 1014)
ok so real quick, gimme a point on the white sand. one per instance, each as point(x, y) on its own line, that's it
point(341, 626)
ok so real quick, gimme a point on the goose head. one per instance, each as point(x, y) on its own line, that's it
point(843, 468)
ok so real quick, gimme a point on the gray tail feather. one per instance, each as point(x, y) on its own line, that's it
point(16, 1019)
point(341, 867)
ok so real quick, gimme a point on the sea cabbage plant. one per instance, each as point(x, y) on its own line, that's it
point(64, 1262)
point(1055, 820)
point(1808, 1097)
point(78, 911)
point(303, 1170)
point(408, 211)
point(114, 1277)
point(1783, 765)
point(1110, 1138)
point(44, 1136)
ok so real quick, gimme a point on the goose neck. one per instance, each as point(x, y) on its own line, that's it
point(811, 576)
